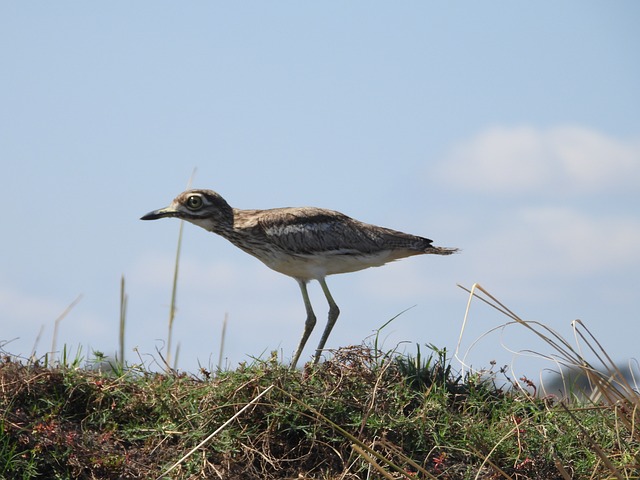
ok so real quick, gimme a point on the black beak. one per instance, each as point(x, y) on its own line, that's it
point(163, 212)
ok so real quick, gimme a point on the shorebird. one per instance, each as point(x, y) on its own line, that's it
point(305, 243)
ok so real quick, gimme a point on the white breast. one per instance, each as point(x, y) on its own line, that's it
point(308, 267)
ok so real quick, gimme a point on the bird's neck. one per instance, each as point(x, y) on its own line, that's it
point(220, 222)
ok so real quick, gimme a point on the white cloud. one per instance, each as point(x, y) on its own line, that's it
point(558, 242)
point(586, 244)
point(524, 159)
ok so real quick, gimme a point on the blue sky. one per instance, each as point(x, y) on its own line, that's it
point(510, 130)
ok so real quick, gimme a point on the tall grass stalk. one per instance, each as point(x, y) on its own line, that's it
point(222, 339)
point(36, 342)
point(56, 325)
point(174, 287)
point(123, 316)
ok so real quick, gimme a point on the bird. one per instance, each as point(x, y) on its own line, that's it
point(305, 243)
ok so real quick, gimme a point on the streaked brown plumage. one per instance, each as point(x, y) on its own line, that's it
point(305, 243)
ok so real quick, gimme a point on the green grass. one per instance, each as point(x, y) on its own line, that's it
point(361, 414)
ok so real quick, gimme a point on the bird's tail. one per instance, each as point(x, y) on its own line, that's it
point(441, 250)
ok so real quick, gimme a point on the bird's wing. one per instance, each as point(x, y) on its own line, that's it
point(310, 230)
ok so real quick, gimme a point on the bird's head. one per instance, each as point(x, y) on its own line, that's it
point(204, 208)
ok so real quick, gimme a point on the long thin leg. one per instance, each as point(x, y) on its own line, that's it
point(308, 324)
point(334, 311)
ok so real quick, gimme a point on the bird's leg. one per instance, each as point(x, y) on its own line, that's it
point(308, 324)
point(334, 311)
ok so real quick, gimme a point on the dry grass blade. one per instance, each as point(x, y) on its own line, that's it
point(174, 285)
point(222, 340)
point(603, 456)
point(59, 319)
point(373, 463)
point(561, 469)
point(174, 290)
point(123, 316)
point(569, 356)
point(487, 458)
point(606, 379)
point(218, 430)
point(370, 451)
point(396, 451)
point(612, 374)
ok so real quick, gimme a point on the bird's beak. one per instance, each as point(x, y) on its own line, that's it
point(169, 211)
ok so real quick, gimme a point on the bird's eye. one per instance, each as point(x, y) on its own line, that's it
point(194, 202)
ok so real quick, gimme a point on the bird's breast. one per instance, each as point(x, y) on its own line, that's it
point(319, 265)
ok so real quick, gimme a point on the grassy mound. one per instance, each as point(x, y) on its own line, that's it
point(358, 415)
